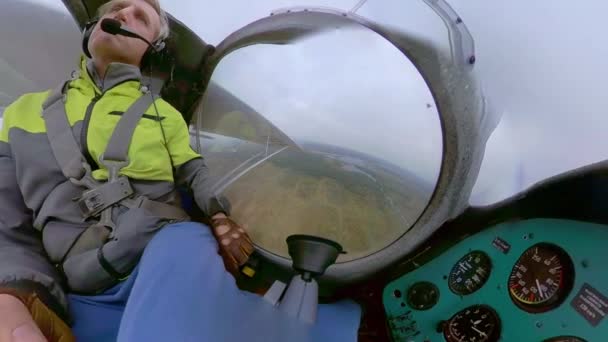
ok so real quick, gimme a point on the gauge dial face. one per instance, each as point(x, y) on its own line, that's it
point(478, 323)
point(422, 295)
point(470, 273)
point(541, 278)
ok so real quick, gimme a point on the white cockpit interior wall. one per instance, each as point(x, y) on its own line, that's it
point(40, 46)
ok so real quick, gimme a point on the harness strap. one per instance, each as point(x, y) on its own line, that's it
point(161, 209)
point(100, 196)
point(61, 138)
point(118, 145)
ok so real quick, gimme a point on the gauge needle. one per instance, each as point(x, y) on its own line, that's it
point(540, 291)
point(480, 332)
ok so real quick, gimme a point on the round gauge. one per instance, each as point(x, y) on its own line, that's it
point(422, 295)
point(478, 323)
point(470, 273)
point(541, 278)
point(565, 339)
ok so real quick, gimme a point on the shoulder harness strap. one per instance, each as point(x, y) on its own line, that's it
point(118, 145)
point(61, 138)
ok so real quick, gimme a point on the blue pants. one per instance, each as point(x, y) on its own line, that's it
point(180, 291)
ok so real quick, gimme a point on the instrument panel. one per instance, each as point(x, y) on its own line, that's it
point(534, 280)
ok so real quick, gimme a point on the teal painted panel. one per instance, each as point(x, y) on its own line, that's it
point(585, 243)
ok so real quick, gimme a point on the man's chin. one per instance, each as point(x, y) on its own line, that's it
point(110, 53)
point(113, 57)
point(106, 44)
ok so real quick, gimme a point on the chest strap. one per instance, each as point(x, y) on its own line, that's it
point(62, 140)
point(100, 195)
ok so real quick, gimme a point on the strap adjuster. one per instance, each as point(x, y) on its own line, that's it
point(94, 201)
point(91, 203)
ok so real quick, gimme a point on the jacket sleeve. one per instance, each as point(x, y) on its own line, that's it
point(191, 170)
point(24, 266)
point(194, 174)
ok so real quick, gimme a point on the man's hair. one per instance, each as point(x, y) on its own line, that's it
point(163, 33)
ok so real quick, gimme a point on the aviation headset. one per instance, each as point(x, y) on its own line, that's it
point(158, 46)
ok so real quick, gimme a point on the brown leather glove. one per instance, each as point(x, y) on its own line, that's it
point(235, 245)
point(52, 327)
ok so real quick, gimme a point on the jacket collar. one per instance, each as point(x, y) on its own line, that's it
point(115, 74)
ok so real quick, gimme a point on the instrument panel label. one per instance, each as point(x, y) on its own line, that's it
point(403, 326)
point(501, 245)
point(591, 304)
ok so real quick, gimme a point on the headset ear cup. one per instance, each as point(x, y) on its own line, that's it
point(150, 54)
point(88, 29)
point(146, 59)
point(159, 46)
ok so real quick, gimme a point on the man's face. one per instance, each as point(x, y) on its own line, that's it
point(140, 17)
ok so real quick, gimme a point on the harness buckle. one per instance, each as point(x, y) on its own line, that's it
point(91, 203)
point(94, 201)
point(102, 195)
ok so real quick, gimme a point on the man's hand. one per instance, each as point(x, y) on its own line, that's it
point(235, 245)
point(25, 318)
point(17, 324)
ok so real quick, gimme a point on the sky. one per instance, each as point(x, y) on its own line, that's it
point(542, 64)
point(334, 100)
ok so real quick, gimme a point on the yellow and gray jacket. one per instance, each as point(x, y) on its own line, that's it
point(39, 219)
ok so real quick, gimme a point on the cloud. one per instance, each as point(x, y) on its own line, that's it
point(332, 89)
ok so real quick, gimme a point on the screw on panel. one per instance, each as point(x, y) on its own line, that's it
point(585, 263)
point(539, 324)
point(397, 294)
point(458, 20)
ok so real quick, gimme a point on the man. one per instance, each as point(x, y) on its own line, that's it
point(50, 246)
